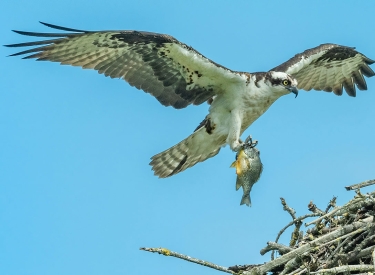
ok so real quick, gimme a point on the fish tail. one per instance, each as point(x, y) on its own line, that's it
point(246, 200)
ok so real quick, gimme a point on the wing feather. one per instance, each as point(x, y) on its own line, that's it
point(359, 80)
point(174, 73)
point(329, 67)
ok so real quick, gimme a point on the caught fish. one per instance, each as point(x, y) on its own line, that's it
point(248, 168)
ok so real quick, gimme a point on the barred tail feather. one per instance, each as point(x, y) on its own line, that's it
point(197, 147)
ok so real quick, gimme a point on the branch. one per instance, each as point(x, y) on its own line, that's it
point(346, 268)
point(286, 207)
point(331, 204)
point(313, 208)
point(290, 224)
point(167, 252)
point(283, 249)
point(360, 185)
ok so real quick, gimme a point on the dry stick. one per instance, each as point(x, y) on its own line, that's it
point(359, 230)
point(283, 249)
point(290, 224)
point(167, 252)
point(313, 208)
point(293, 264)
point(365, 252)
point(352, 203)
point(295, 234)
point(290, 210)
point(373, 257)
point(297, 271)
point(360, 185)
point(354, 242)
point(337, 249)
point(300, 272)
point(366, 196)
point(343, 230)
point(352, 255)
point(300, 237)
point(331, 204)
point(335, 256)
point(346, 268)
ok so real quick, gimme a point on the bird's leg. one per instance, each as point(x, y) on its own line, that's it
point(233, 138)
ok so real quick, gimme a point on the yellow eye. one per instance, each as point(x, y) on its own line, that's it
point(286, 82)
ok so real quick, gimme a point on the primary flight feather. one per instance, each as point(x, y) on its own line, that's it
point(177, 75)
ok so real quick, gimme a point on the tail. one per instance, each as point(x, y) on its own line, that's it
point(246, 200)
point(197, 147)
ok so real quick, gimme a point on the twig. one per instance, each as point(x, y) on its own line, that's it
point(283, 249)
point(338, 248)
point(360, 185)
point(295, 234)
point(167, 252)
point(354, 242)
point(324, 216)
point(365, 252)
point(353, 204)
point(293, 263)
point(352, 255)
point(286, 207)
point(298, 271)
point(331, 204)
point(290, 224)
point(241, 268)
point(359, 230)
point(313, 208)
point(345, 268)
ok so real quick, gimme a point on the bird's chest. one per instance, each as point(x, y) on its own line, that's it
point(253, 106)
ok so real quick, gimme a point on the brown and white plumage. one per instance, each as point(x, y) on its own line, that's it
point(177, 75)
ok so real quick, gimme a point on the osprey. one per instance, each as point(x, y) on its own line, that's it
point(177, 75)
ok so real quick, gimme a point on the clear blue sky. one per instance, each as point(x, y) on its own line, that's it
point(77, 195)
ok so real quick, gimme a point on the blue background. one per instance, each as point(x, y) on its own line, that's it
point(77, 195)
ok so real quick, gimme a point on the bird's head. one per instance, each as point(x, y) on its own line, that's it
point(282, 82)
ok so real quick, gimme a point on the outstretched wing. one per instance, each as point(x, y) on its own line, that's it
point(171, 71)
point(329, 67)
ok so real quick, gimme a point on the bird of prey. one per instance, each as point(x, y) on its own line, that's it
point(177, 75)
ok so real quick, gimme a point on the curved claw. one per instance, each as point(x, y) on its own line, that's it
point(250, 143)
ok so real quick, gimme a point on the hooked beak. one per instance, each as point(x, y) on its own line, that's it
point(293, 90)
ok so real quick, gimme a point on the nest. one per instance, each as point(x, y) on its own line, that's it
point(341, 240)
